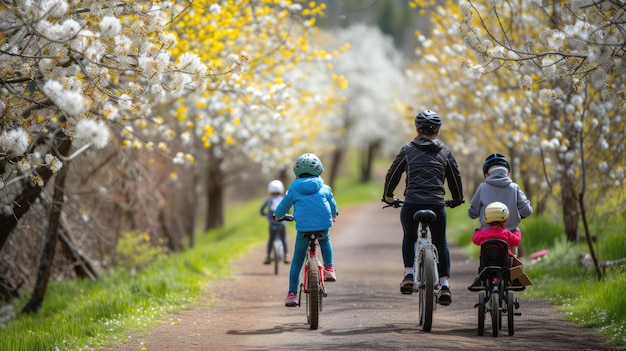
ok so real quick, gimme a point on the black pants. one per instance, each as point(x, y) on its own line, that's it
point(438, 233)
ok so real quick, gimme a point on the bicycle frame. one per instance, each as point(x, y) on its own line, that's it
point(278, 250)
point(315, 293)
point(309, 261)
point(426, 284)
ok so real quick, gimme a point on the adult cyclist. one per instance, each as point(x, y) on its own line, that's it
point(428, 164)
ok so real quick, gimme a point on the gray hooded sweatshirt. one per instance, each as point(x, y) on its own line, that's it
point(499, 187)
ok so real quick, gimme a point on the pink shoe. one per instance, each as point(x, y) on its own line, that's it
point(291, 300)
point(329, 274)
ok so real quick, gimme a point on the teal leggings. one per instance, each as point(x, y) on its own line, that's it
point(299, 253)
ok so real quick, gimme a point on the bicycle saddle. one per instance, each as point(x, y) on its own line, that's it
point(313, 235)
point(424, 216)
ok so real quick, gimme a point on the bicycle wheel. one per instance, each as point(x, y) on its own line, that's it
point(313, 297)
point(509, 310)
point(278, 254)
point(481, 314)
point(495, 313)
point(426, 289)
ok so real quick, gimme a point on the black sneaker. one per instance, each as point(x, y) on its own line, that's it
point(445, 297)
point(406, 287)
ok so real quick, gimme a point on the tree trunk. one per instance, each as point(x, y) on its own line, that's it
point(190, 201)
point(367, 160)
point(83, 267)
point(215, 193)
point(569, 205)
point(334, 167)
point(29, 194)
point(52, 236)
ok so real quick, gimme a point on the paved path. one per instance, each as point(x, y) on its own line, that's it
point(364, 309)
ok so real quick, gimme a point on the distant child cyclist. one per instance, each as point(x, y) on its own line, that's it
point(315, 209)
point(275, 188)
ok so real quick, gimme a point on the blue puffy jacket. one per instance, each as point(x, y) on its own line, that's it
point(313, 202)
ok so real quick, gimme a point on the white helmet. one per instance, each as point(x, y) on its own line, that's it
point(275, 186)
point(496, 212)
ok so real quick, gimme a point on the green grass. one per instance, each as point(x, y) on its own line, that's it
point(80, 315)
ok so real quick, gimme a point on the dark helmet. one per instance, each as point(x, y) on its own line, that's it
point(495, 160)
point(428, 122)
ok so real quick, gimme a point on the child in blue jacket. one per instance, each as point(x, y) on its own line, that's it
point(315, 209)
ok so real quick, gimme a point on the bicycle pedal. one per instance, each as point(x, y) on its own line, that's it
point(517, 313)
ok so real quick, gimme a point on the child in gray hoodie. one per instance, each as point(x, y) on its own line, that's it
point(498, 186)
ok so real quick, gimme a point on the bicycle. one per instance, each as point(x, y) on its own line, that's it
point(311, 280)
point(496, 292)
point(426, 277)
point(277, 254)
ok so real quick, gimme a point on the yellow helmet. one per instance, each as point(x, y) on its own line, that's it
point(496, 212)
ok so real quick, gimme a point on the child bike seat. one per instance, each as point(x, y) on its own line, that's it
point(494, 252)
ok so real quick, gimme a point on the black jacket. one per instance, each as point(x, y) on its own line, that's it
point(428, 163)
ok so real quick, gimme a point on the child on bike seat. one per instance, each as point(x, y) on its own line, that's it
point(275, 188)
point(498, 186)
point(496, 216)
point(315, 209)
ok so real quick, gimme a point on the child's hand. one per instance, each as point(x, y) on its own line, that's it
point(334, 216)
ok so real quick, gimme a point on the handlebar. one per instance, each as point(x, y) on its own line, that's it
point(398, 203)
point(395, 204)
point(287, 217)
point(452, 204)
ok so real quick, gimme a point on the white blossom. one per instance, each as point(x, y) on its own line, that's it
point(14, 141)
point(53, 162)
point(23, 165)
point(215, 9)
point(525, 83)
point(110, 26)
point(73, 103)
point(92, 131)
point(547, 95)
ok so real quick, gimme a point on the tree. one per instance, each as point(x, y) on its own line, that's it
point(134, 93)
point(72, 76)
point(375, 94)
point(259, 113)
point(570, 61)
point(101, 79)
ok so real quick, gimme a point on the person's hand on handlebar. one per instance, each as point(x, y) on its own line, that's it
point(454, 202)
point(287, 218)
point(391, 202)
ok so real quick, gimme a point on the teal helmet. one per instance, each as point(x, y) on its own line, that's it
point(308, 163)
